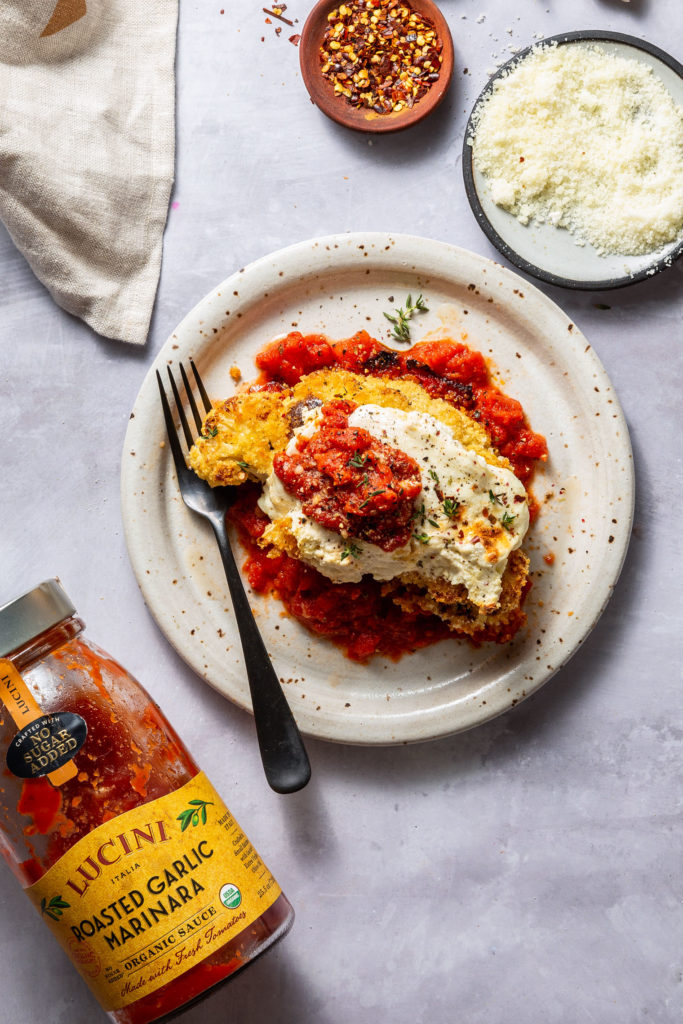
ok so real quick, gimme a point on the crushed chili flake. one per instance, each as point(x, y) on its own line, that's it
point(380, 54)
point(295, 39)
point(277, 13)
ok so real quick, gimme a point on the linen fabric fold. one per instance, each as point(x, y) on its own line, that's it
point(87, 139)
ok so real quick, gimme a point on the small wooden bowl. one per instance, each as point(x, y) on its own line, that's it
point(322, 91)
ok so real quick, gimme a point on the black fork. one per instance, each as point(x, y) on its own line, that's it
point(284, 756)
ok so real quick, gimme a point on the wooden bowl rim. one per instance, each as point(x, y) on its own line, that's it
point(322, 92)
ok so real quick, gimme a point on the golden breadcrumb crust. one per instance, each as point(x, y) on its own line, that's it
point(252, 426)
point(249, 429)
point(413, 592)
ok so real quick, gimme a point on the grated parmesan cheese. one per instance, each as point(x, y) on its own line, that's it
point(588, 141)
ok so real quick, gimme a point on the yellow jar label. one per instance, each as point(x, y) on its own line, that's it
point(153, 892)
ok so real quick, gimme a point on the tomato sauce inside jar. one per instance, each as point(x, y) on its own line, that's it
point(131, 758)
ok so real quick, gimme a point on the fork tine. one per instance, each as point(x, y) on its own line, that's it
point(190, 397)
point(202, 390)
point(181, 412)
point(176, 450)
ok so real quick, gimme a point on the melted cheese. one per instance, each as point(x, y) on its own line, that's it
point(470, 547)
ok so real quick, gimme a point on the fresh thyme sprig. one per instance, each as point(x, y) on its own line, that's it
point(419, 513)
point(450, 507)
point(507, 521)
point(401, 329)
point(373, 494)
point(496, 499)
point(209, 431)
point(352, 550)
point(358, 460)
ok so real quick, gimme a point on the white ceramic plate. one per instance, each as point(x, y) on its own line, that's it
point(549, 253)
point(338, 285)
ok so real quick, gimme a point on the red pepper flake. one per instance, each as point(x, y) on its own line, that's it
point(268, 21)
point(295, 39)
point(277, 13)
point(278, 30)
point(380, 54)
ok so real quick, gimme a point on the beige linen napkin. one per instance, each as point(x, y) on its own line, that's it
point(87, 100)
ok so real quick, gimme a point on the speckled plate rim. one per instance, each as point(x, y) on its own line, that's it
point(607, 284)
point(426, 703)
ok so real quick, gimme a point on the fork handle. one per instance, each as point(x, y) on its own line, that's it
point(283, 754)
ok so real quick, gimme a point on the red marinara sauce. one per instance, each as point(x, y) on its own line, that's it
point(358, 616)
point(350, 482)
point(355, 616)
point(445, 369)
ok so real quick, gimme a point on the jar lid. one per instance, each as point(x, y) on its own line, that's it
point(31, 614)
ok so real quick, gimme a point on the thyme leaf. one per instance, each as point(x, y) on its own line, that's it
point(352, 550)
point(401, 325)
point(507, 521)
point(372, 494)
point(419, 513)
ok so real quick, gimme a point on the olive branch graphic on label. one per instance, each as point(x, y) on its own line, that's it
point(54, 908)
point(192, 814)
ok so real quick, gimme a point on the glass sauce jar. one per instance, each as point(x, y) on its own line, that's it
point(120, 841)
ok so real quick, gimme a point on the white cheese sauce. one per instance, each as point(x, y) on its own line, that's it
point(467, 519)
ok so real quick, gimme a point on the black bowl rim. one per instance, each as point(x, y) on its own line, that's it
point(597, 35)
